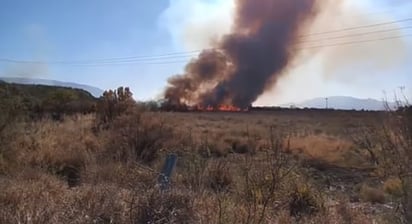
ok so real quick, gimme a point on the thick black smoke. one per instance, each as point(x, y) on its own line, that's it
point(248, 61)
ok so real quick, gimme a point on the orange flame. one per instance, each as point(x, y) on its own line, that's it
point(228, 108)
point(223, 108)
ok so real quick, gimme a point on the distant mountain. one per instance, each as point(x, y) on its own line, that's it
point(96, 92)
point(344, 103)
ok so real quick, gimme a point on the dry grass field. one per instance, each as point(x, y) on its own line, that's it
point(287, 166)
point(235, 112)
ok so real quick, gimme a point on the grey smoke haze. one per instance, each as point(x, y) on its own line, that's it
point(39, 49)
point(26, 71)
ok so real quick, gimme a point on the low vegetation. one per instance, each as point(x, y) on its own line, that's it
point(286, 166)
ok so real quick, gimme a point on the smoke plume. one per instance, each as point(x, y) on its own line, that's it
point(248, 61)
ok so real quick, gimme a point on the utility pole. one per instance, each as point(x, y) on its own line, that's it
point(402, 89)
point(405, 98)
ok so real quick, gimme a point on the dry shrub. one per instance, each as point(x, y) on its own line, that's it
point(191, 170)
point(265, 182)
point(112, 104)
point(165, 207)
point(95, 204)
point(370, 194)
point(138, 136)
point(396, 154)
point(390, 148)
point(218, 177)
point(12, 111)
point(30, 201)
point(345, 213)
point(304, 201)
point(8, 160)
point(212, 150)
point(12, 108)
point(118, 174)
point(393, 186)
point(44, 199)
point(337, 212)
point(323, 147)
point(59, 148)
point(212, 147)
point(240, 147)
point(366, 141)
point(284, 218)
point(207, 209)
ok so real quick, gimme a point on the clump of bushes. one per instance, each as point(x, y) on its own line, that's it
point(114, 103)
point(132, 133)
point(240, 147)
point(219, 178)
point(167, 207)
point(137, 136)
point(45, 199)
point(373, 195)
point(303, 201)
point(393, 186)
point(11, 108)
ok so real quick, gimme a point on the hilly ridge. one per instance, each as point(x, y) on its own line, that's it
point(344, 103)
point(96, 92)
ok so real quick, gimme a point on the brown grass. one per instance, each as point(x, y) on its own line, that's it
point(232, 168)
point(371, 194)
point(323, 147)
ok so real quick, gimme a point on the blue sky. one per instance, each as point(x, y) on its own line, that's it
point(49, 30)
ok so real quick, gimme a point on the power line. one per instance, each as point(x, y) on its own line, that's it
point(358, 27)
point(357, 42)
point(314, 41)
point(131, 62)
point(165, 58)
point(303, 48)
point(148, 57)
point(359, 34)
point(183, 61)
point(150, 61)
point(91, 62)
point(107, 60)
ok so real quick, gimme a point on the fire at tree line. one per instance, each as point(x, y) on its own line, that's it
point(39, 101)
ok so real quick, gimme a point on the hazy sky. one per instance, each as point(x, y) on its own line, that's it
point(71, 30)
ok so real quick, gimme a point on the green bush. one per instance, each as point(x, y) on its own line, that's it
point(114, 103)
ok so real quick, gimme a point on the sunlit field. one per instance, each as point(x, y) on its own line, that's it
point(283, 166)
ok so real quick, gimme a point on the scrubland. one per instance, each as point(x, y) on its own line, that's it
point(287, 166)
